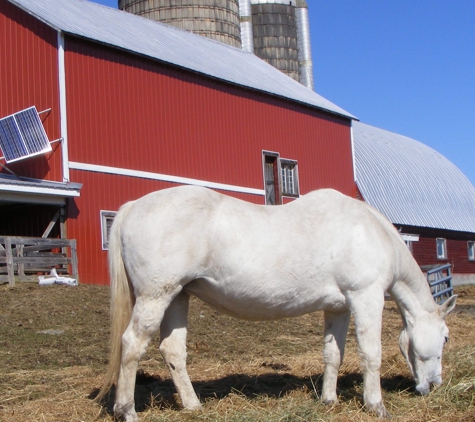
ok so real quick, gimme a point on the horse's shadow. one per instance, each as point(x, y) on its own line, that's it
point(152, 391)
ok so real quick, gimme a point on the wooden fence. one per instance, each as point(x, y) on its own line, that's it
point(24, 258)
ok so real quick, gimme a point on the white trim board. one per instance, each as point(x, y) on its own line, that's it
point(31, 198)
point(62, 107)
point(163, 177)
point(15, 189)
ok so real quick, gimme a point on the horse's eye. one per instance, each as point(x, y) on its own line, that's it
point(446, 339)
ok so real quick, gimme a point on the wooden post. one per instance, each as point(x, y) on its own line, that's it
point(21, 266)
point(51, 224)
point(9, 255)
point(74, 260)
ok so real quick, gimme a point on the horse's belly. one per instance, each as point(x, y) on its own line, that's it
point(260, 302)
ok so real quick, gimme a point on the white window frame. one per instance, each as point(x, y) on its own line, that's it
point(443, 243)
point(106, 217)
point(409, 239)
point(289, 177)
point(471, 250)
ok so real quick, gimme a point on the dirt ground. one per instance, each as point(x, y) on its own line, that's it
point(54, 345)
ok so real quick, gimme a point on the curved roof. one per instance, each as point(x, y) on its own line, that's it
point(172, 45)
point(411, 183)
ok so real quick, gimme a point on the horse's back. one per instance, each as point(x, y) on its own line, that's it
point(279, 260)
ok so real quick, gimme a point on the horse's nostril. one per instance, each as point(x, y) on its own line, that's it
point(435, 381)
point(423, 389)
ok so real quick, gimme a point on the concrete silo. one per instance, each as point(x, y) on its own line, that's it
point(281, 36)
point(277, 31)
point(275, 35)
point(216, 19)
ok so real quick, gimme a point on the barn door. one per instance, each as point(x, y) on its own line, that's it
point(271, 178)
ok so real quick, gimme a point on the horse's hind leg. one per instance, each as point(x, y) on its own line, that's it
point(173, 332)
point(336, 328)
point(146, 317)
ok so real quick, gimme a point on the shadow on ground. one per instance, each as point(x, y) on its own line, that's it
point(152, 391)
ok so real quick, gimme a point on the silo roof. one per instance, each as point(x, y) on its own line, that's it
point(411, 183)
point(172, 45)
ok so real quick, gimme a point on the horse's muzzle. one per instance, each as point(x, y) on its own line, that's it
point(424, 387)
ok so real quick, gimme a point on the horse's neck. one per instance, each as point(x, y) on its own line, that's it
point(413, 297)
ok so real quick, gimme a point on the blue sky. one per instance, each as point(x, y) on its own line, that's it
point(406, 66)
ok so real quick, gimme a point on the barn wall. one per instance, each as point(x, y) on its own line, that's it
point(129, 112)
point(29, 71)
point(132, 113)
point(425, 252)
point(84, 223)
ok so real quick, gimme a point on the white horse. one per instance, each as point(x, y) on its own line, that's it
point(324, 251)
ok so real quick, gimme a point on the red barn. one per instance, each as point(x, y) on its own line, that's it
point(136, 106)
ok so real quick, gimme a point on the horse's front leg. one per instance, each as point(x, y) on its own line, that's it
point(367, 308)
point(336, 328)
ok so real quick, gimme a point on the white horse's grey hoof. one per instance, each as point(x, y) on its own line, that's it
point(330, 402)
point(189, 400)
point(193, 406)
point(379, 410)
point(125, 412)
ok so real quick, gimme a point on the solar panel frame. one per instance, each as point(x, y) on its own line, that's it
point(22, 135)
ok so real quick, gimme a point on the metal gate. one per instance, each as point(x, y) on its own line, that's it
point(440, 282)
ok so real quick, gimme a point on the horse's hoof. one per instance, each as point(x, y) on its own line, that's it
point(125, 412)
point(379, 410)
point(330, 402)
point(193, 407)
point(126, 418)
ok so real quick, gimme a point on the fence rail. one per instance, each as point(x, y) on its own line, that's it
point(24, 258)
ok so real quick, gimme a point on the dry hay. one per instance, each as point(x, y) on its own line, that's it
point(53, 347)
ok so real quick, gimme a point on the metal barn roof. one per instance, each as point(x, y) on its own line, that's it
point(411, 183)
point(171, 45)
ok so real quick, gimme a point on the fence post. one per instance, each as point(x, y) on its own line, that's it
point(9, 255)
point(74, 260)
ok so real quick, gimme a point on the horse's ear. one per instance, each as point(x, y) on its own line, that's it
point(448, 306)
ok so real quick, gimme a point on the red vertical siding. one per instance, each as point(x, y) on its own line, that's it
point(137, 114)
point(28, 68)
point(108, 193)
point(129, 112)
point(425, 250)
point(425, 253)
point(457, 251)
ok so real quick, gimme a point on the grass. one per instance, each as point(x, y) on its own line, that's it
point(53, 352)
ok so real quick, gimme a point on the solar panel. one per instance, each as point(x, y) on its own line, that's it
point(22, 135)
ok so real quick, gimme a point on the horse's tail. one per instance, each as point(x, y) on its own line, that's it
point(121, 302)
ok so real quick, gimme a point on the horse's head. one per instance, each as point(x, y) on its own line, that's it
point(422, 344)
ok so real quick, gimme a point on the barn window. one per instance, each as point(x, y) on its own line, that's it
point(107, 218)
point(471, 250)
point(280, 177)
point(290, 185)
point(441, 248)
point(409, 239)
